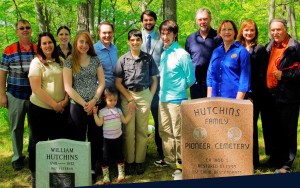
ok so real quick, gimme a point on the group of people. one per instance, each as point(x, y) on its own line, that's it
point(73, 91)
point(230, 63)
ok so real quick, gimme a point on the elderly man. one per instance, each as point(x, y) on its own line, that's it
point(283, 81)
point(200, 46)
point(15, 89)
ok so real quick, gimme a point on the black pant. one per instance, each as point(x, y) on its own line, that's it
point(285, 133)
point(198, 90)
point(264, 107)
point(112, 149)
point(45, 125)
point(154, 111)
point(84, 125)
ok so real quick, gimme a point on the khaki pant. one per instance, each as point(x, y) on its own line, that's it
point(135, 132)
point(170, 130)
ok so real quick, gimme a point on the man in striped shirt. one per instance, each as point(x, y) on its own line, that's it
point(15, 88)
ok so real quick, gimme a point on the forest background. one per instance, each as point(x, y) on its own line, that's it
point(49, 15)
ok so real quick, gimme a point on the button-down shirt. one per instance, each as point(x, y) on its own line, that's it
point(201, 50)
point(229, 72)
point(274, 60)
point(176, 74)
point(136, 73)
point(108, 59)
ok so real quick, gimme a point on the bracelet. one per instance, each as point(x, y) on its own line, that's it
point(131, 100)
point(96, 98)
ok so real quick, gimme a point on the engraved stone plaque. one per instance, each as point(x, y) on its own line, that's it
point(63, 163)
point(217, 138)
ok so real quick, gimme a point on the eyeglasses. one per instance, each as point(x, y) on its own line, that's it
point(22, 28)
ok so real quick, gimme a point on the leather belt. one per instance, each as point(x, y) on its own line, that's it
point(138, 89)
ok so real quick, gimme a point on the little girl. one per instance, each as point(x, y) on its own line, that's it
point(112, 118)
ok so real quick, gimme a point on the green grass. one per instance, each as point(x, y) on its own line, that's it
point(11, 178)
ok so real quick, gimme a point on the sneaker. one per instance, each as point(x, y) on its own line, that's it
point(177, 172)
point(161, 163)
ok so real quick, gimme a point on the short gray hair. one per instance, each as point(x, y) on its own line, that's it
point(200, 10)
point(281, 20)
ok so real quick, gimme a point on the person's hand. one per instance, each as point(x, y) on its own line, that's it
point(3, 101)
point(58, 108)
point(88, 108)
point(278, 74)
point(132, 106)
point(95, 109)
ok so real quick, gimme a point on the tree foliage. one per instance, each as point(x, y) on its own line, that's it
point(125, 15)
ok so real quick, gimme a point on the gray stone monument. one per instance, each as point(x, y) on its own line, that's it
point(63, 163)
point(217, 138)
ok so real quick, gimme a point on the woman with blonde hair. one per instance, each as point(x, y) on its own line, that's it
point(84, 82)
point(248, 37)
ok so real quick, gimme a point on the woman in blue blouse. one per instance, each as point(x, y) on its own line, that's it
point(229, 70)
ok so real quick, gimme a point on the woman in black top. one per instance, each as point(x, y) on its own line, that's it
point(247, 36)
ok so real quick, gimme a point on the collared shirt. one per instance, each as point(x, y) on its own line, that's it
point(274, 60)
point(108, 58)
point(152, 34)
point(61, 53)
point(136, 73)
point(12, 62)
point(201, 50)
point(176, 74)
point(229, 72)
point(156, 45)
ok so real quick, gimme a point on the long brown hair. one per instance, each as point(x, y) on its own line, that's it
point(75, 52)
point(240, 36)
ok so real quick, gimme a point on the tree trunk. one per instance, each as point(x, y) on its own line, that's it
point(293, 23)
point(82, 22)
point(47, 19)
point(91, 18)
point(169, 10)
point(99, 16)
point(40, 16)
point(271, 14)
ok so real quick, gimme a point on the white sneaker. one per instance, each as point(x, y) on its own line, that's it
point(177, 174)
point(162, 163)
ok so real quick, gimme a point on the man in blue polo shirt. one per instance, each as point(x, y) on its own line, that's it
point(200, 46)
point(107, 52)
point(108, 55)
point(15, 94)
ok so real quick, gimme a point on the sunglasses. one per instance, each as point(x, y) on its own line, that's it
point(22, 28)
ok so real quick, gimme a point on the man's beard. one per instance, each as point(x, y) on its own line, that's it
point(151, 28)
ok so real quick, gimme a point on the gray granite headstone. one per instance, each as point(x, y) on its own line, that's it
point(217, 138)
point(63, 163)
